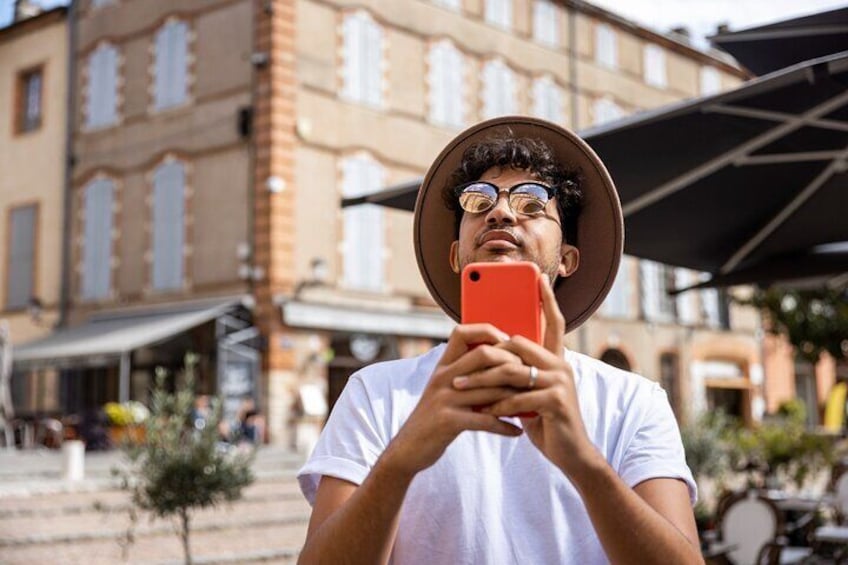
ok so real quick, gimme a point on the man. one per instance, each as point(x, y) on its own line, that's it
point(407, 469)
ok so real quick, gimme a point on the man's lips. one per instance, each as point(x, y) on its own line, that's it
point(498, 236)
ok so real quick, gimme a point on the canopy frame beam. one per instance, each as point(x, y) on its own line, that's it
point(758, 114)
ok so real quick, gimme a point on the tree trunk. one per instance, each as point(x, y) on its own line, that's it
point(184, 533)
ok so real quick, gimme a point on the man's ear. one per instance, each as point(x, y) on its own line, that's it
point(454, 257)
point(569, 260)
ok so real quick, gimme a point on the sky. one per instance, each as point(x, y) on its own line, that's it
point(700, 16)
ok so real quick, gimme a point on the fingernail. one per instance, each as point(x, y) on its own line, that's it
point(503, 336)
point(460, 382)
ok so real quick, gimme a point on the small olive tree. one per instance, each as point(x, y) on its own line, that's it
point(180, 468)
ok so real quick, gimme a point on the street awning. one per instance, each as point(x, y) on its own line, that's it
point(330, 317)
point(768, 48)
point(106, 336)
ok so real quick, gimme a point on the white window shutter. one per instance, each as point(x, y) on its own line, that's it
point(364, 244)
point(171, 65)
point(374, 63)
point(547, 99)
point(686, 311)
point(545, 23)
point(168, 226)
point(617, 302)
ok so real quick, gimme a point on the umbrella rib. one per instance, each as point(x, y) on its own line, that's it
point(711, 166)
point(835, 166)
point(773, 116)
point(789, 157)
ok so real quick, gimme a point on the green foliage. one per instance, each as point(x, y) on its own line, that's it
point(179, 469)
point(813, 321)
point(783, 445)
point(708, 442)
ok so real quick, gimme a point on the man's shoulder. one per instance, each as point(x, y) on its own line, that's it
point(408, 372)
point(603, 376)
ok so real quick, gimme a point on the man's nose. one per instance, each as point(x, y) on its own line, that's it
point(501, 212)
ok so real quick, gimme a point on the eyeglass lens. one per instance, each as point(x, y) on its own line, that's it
point(524, 198)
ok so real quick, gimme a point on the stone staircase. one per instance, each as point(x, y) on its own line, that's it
point(88, 524)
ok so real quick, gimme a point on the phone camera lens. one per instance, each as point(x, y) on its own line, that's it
point(474, 276)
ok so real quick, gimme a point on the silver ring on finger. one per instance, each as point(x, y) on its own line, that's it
point(534, 375)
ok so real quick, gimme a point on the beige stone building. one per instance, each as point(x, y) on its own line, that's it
point(33, 102)
point(212, 144)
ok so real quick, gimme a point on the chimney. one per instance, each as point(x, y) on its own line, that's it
point(722, 28)
point(25, 9)
point(682, 31)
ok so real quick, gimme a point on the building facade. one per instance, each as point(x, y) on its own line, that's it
point(33, 103)
point(212, 144)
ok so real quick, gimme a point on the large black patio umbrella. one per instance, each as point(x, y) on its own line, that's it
point(768, 48)
point(732, 182)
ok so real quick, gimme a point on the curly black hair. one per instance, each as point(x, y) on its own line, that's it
point(523, 153)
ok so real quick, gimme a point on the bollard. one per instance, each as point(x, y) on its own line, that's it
point(73, 460)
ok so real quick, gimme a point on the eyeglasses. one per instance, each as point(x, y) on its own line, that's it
point(478, 196)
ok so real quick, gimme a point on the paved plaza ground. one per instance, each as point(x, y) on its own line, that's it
point(45, 519)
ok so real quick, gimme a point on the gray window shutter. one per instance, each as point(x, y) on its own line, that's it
point(102, 102)
point(168, 226)
point(97, 240)
point(171, 65)
point(21, 257)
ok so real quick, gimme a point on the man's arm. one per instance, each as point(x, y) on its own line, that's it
point(358, 524)
point(652, 523)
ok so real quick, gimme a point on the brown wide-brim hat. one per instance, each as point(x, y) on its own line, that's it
point(600, 227)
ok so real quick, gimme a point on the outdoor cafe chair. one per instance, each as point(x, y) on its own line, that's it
point(753, 526)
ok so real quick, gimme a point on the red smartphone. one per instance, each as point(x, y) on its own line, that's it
point(505, 295)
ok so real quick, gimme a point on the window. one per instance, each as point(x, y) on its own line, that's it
point(97, 239)
point(102, 100)
point(363, 225)
point(171, 65)
point(20, 277)
point(363, 59)
point(499, 96)
point(654, 60)
point(605, 110)
point(687, 312)
point(710, 81)
point(545, 22)
point(712, 310)
point(617, 302)
point(547, 99)
point(30, 84)
point(657, 305)
point(447, 87)
point(606, 46)
point(168, 225)
point(499, 13)
point(450, 4)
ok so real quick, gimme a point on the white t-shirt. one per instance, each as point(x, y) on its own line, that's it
point(493, 499)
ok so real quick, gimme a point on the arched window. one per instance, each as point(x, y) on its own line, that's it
point(168, 226)
point(98, 201)
point(101, 107)
point(364, 237)
point(499, 90)
point(171, 65)
point(616, 358)
point(447, 87)
point(363, 59)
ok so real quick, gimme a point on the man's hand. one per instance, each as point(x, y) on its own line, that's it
point(444, 411)
point(557, 430)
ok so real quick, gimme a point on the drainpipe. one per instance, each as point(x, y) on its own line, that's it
point(65, 290)
point(572, 64)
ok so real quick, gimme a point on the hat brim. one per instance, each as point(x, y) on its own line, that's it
point(600, 227)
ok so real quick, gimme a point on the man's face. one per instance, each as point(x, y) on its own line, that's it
point(500, 234)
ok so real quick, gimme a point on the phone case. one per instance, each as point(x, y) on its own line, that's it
point(505, 295)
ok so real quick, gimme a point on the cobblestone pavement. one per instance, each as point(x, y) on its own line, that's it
point(44, 519)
